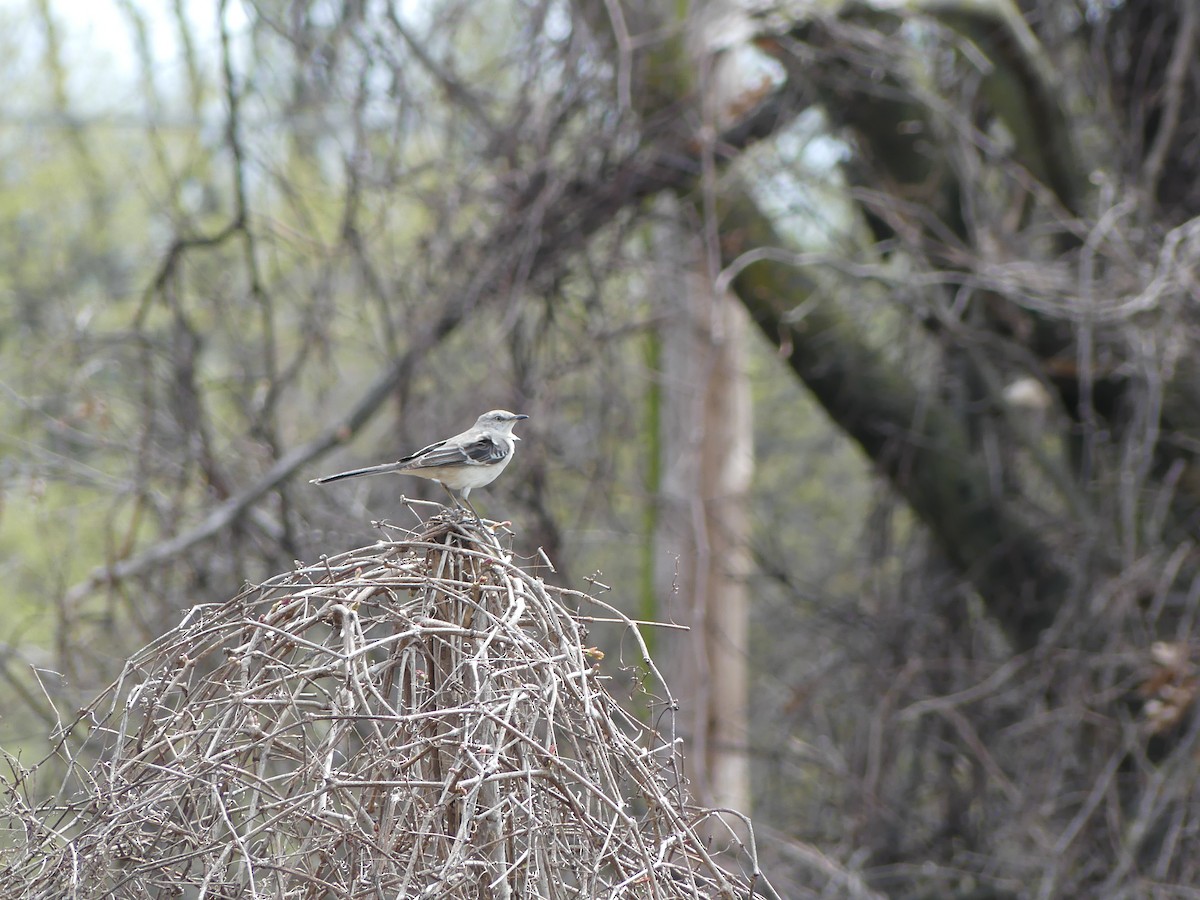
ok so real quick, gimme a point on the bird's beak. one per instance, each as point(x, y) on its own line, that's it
point(519, 417)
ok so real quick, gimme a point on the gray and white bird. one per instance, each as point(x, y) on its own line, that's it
point(461, 463)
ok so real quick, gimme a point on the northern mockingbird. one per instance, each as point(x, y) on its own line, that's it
point(461, 463)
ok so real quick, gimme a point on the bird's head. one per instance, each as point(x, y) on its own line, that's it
point(500, 419)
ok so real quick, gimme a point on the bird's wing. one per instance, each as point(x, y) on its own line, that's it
point(478, 451)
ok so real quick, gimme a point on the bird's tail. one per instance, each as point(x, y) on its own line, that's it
point(354, 473)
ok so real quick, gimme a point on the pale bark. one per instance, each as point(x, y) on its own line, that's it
point(702, 550)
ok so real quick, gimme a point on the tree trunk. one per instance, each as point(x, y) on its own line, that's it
point(702, 539)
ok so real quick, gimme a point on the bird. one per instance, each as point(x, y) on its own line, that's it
point(473, 459)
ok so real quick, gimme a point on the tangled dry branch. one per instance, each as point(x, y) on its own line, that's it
point(416, 719)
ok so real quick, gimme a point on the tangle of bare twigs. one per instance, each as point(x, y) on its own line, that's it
point(415, 719)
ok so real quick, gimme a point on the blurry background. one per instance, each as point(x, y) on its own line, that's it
point(860, 337)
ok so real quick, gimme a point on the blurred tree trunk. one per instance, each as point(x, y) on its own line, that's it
point(701, 544)
point(702, 539)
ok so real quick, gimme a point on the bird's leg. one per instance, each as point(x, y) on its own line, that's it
point(453, 498)
point(459, 503)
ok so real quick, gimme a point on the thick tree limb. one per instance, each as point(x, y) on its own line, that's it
point(922, 447)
